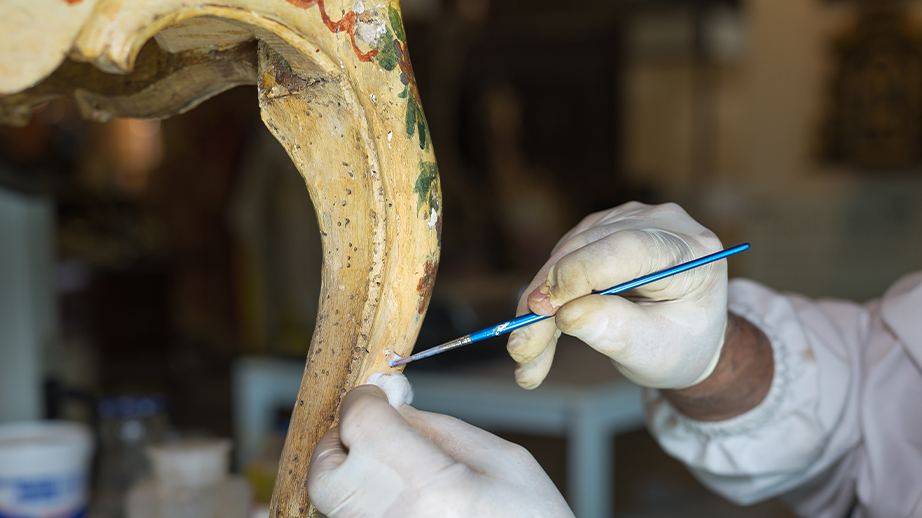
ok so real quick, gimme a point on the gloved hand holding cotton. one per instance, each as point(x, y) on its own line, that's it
point(387, 459)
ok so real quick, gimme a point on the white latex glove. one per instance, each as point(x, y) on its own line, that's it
point(666, 334)
point(381, 462)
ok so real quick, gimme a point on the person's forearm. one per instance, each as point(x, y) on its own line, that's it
point(740, 380)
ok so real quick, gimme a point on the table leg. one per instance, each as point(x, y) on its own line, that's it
point(590, 466)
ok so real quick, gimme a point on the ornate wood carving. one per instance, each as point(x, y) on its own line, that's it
point(335, 88)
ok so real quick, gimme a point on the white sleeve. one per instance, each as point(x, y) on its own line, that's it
point(799, 434)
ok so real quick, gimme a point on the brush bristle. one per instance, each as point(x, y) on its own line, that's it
point(394, 359)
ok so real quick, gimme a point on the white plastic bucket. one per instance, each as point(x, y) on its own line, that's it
point(44, 469)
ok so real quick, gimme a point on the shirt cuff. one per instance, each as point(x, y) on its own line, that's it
point(782, 433)
point(761, 413)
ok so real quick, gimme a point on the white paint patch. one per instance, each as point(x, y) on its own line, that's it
point(395, 385)
point(392, 357)
point(390, 135)
point(500, 329)
point(369, 27)
point(433, 218)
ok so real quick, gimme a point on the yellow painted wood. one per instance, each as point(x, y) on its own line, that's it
point(337, 90)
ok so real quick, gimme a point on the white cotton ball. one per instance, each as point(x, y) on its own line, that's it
point(395, 385)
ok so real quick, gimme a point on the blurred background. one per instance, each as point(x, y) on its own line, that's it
point(155, 258)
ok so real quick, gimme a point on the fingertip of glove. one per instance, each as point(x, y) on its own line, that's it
point(525, 379)
point(587, 317)
point(538, 294)
point(574, 315)
point(520, 346)
point(540, 303)
point(369, 389)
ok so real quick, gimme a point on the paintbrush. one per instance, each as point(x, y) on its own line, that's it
point(510, 325)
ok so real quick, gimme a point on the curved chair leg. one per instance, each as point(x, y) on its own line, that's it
point(377, 277)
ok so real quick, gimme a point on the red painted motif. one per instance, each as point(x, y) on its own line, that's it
point(425, 284)
point(406, 69)
point(347, 24)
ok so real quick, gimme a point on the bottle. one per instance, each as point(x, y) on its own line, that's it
point(191, 480)
point(128, 425)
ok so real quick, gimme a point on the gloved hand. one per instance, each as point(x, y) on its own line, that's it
point(667, 334)
point(381, 462)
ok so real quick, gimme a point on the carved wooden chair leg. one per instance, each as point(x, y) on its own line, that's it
point(335, 88)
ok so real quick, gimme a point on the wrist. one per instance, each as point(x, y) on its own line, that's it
point(739, 381)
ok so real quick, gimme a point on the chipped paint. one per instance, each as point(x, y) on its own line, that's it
point(425, 285)
point(346, 24)
point(370, 25)
point(288, 82)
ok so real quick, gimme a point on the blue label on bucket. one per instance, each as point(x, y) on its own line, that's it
point(80, 514)
point(62, 496)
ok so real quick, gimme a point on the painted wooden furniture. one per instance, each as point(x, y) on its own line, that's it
point(335, 88)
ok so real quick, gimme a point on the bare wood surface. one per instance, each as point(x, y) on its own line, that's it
point(201, 32)
point(337, 90)
point(161, 84)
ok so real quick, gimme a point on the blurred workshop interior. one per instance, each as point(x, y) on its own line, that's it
point(174, 264)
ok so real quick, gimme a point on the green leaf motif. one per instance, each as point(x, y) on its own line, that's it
point(416, 122)
point(422, 127)
point(396, 23)
point(387, 56)
point(428, 172)
point(411, 116)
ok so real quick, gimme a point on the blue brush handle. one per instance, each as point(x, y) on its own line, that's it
point(531, 318)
